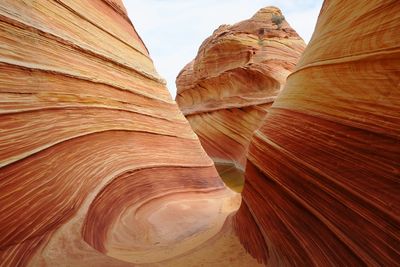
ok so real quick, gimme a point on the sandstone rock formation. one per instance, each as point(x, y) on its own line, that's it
point(226, 90)
point(98, 167)
point(322, 178)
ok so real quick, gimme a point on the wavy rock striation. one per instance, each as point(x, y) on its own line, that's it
point(226, 90)
point(322, 178)
point(98, 167)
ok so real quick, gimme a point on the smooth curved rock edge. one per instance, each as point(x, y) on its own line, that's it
point(98, 167)
point(79, 117)
point(225, 92)
point(322, 177)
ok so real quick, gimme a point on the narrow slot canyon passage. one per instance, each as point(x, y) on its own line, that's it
point(274, 153)
point(231, 175)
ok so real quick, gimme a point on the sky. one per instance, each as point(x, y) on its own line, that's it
point(173, 30)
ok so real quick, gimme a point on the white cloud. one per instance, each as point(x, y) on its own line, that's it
point(174, 29)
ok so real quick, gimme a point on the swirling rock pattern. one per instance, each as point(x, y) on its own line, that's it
point(226, 90)
point(322, 178)
point(98, 167)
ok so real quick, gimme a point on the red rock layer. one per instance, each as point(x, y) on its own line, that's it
point(239, 70)
point(90, 135)
point(322, 178)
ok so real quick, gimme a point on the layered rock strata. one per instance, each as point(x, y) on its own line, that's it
point(226, 90)
point(98, 167)
point(322, 178)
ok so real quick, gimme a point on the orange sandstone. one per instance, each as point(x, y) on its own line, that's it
point(98, 167)
point(322, 176)
point(95, 155)
point(226, 90)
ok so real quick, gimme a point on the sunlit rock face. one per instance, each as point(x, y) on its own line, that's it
point(98, 167)
point(226, 90)
point(322, 177)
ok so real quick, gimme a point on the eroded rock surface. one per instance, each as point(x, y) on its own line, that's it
point(226, 90)
point(322, 177)
point(98, 167)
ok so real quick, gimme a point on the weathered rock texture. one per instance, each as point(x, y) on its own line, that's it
point(226, 90)
point(97, 163)
point(99, 168)
point(322, 178)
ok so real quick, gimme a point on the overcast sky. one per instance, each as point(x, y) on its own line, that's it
point(174, 29)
